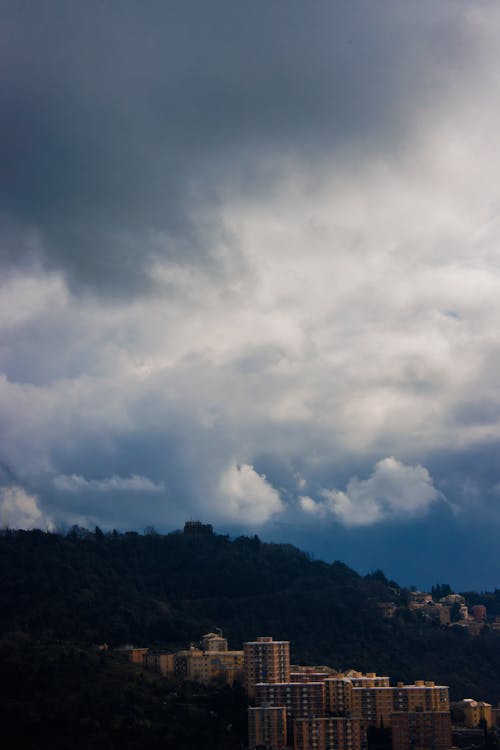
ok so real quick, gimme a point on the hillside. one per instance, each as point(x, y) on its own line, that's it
point(165, 590)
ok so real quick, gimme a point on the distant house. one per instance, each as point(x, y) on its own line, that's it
point(197, 528)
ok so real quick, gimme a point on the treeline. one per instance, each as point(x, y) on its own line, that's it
point(166, 590)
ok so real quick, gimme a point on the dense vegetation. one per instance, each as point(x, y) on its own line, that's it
point(59, 594)
point(62, 696)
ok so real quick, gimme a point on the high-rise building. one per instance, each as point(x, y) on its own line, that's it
point(265, 660)
point(421, 696)
point(304, 699)
point(422, 730)
point(328, 733)
point(267, 727)
point(376, 704)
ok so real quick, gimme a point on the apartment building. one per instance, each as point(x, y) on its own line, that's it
point(476, 713)
point(265, 660)
point(376, 704)
point(300, 673)
point(206, 666)
point(214, 642)
point(301, 699)
point(422, 730)
point(421, 696)
point(267, 727)
point(373, 704)
point(328, 733)
point(160, 662)
point(338, 696)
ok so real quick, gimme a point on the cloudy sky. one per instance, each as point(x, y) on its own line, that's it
point(250, 273)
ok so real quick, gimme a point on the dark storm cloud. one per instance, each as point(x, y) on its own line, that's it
point(119, 120)
point(289, 214)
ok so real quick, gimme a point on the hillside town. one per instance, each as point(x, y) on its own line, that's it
point(450, 610)
point(319, 708)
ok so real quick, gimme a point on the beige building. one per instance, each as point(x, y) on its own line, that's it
point(267, 727)
point(328, 733)
point(265, 660)
point(160, 662)
point(376, 704)
point(421, 730)
point(421, 696)
point(476, 713)
point(206, 666)
point(213, 642)
point(301, 699)
point(339, 691)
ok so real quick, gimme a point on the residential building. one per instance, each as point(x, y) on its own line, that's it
point(206, 666)
point(328, 733)
point(421, 696)
point(214, 642)
point(265, 660)
point(267, 727)
point(160, 662)
point(338, 696)
point(422, 730)
point(476, 713)
point(301, 699)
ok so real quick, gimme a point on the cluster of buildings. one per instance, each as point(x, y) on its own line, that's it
point(450, 610)
point(318, 709)
point(210, 661)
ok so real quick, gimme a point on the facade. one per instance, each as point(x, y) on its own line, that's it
point(377, 704)
point(328, 733)
point(338, 696)
point(299, 673)
point(267, 728)
point(421, 696)
point(265, 660)
point(476, 713)
point(421, 730)
point(160, 662)
point(206, 666)
point(373, 704)
point(301, 699)
point(213, 642)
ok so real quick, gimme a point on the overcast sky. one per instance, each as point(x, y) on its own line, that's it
point(250, 273)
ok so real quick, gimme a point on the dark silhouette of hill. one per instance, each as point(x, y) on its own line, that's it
point(166, 590)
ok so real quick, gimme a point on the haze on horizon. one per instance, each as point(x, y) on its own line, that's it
point(250, 273)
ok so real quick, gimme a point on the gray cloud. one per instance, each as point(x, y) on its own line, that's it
point(249, 252)
point(121, 122)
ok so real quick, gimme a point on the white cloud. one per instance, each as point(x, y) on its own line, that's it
point(246, 496)
point(134, 483)
point(393, 491)
point(20, 510)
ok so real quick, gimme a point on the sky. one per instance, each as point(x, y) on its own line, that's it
point(250, 274)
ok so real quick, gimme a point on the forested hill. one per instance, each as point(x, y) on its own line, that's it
point(166, 590)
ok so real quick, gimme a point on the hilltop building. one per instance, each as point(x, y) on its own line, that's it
point(197, 528)
point(213, 661)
